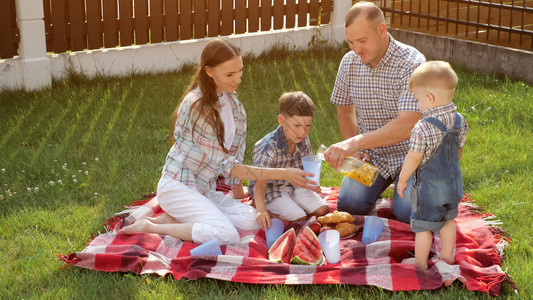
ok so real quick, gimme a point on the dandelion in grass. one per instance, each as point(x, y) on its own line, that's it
point(96, 159)
point(64, 167)
point(28, 189)
point(73, 175)
point(74, 180)
point(55, 160)
point(79, 171)
point(53, 171)
point(95, 195)
point(84, 163)
point(3, 170)
point(86, 172)
point(23, 171)
point(60, 182)
point(1, 197)
point(51, 182)
point(36, 189)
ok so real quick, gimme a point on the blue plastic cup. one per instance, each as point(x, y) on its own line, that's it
point(312, 164)
point(372, 229)
point(274, 231)
point(330, 240)
point(208, 248)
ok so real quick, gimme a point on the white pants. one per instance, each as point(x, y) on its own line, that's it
point(214, 216)
point(290, 208)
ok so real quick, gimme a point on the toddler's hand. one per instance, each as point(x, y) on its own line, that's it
point(263, 219)
point(400, 188)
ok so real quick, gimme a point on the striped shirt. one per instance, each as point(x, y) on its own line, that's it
point(378, 95)
point(196, 159)
point(426, 137)
point(272, 151)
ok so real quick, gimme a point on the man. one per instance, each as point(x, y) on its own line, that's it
point(372, 80)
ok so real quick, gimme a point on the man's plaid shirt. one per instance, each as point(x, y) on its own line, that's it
point(378, 95)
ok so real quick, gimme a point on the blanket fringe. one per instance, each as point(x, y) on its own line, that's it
point(489, 219)
point(112, 222)
point(497, 279)
point(70, 259)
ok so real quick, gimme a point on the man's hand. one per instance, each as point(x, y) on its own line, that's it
point(336, 153)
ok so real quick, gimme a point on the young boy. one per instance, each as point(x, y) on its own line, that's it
point(431, 175)
point(284, 148)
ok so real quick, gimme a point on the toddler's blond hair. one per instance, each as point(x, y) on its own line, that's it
point(433, 75)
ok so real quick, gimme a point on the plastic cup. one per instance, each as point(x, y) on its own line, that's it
point(372, 229)
point(208, 248)
point(312, 164)
point(274, 232)
point(330, 240)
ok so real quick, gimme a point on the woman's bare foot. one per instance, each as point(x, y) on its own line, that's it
point(141, 225)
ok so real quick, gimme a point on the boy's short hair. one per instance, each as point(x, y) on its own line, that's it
point(435, 73)
point(295, 104)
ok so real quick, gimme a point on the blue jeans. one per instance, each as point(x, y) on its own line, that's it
point(359, 199)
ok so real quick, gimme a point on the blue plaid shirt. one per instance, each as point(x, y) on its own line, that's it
point(378, 95)
point(272, 151)
point(196, 159)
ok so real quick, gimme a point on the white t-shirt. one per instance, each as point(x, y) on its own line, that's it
point(229, 122)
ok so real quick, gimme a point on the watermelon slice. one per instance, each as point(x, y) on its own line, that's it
point(307, 250)
point(282, 249)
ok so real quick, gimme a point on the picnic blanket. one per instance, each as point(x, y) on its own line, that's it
point(479, 251)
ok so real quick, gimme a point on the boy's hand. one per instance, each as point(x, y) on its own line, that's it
point(263, 219)
point(297, 177)
point(238, 191)
point(400, 188)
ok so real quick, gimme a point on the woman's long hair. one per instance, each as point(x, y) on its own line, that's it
point(215, 52)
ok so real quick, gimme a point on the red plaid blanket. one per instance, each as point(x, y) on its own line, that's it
point(479, 251)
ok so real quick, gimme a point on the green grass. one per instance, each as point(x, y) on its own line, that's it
point(110, 134)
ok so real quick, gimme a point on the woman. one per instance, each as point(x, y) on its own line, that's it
point(210, 138)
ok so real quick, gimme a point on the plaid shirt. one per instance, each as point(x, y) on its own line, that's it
point(196, 159)
point(272, 151)
point(378, 95)
point(426, 137)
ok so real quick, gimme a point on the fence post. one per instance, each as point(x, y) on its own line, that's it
point(340, 8)
point(35, 65)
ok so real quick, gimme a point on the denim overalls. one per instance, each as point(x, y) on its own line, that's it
point(436, 187)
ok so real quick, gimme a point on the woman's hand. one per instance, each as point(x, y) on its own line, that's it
point(297, 177)
point(263, 219)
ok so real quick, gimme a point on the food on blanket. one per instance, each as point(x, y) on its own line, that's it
point(335, 217)
point(346, 229)
point(324, 228)
point(282, 249)
point(315, 226)
point(307, 250)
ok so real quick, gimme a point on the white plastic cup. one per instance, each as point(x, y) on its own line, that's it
point(208, 248)
point(312, 164)
point(330, 240)
point(372, 229)
point(274, 231)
